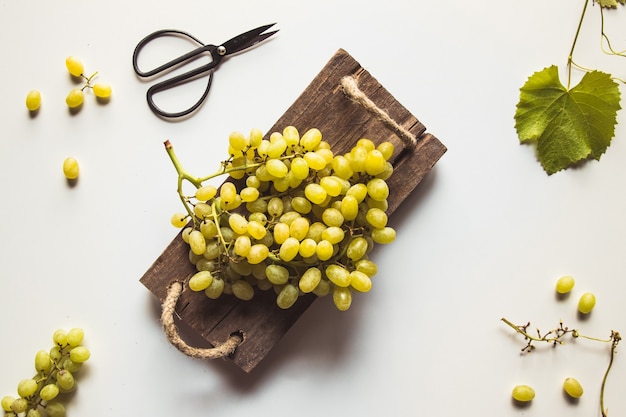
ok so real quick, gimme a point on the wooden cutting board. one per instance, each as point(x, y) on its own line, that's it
point(323, 105)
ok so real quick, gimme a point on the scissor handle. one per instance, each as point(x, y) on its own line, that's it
point(179, 79)
point(172, 82)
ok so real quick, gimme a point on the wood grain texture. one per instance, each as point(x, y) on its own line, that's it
point(322, 105)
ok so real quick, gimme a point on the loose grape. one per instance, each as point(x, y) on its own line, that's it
point(287, 296)
point(49, 392)
point(33, 100)
point(75, 336)
point(565, 284)
point(26, 387)
point(586, 303)
point(70, 168)
point(573, 388)
point(102, 90)
point(75, 98)
point(74, 66)
point(342, 297)
point(523, 393)
point(200, 281)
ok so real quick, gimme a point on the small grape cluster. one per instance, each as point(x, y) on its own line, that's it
point(293, 217)
point(76, 96)
point(39, 396)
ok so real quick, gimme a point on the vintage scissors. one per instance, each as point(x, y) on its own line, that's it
point(217, 53)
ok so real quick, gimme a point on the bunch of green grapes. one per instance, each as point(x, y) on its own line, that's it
point(39, 396)
point(292, 217)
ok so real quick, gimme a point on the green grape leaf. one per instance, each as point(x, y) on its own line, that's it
point(609, 4)
point(567, 126)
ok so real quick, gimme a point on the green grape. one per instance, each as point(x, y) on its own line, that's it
point(6, 402)
point(311, 139)
point(366, 266)
point(26, 387)
point(19, 405)
point(358, 154)
point(49, 392)
point(258, 253)
point(178, 220)
point(197, 243)
point(33, 412)
point(289, 216)
point(338, 275)
point(238, 223)
point(276, 168)
point(315, 160)
point(206, 193)
point(275, 207)
point(277, 146)
point(55, 409)
point(55, 353)
point(523, 393)
point(366, 143)
point(376, 217)
point(299, 168)
point(59, 337)
point(291, 135)
point(70, 168)
point(33, 100)
point(75, 98)
point(202, 210)
point(213, 250)
point(255, 138)
point(386, 149)
point(357, 248)
point(342, 297)
point(332, 217)
point(238, 141)
point(565, 284)
point(71, 365)
point(242, 245)
point(200, 281)
point(333, 234)
point(65, 380)
point(75, 336)
point(214, 291)
point(375, 162)
point(310, 280)
point(307, 248)
point(102, 90)
point(287, 297)
point(277, 274)
point(289, 249)
point(315, 193)
point(573, 388)
point(341, 167)
point(349, 207)
point(249, 194)
point(43, 363)
point(208, 228)
point(228, 192)
point(281, 233)
point(243, 290)
point(299, 228)
point(586, 303)
point(324, 250)
point(74, 66)
point(315, 231)
point(384, 236)
point(377, 189)
point(360, 281)
point(256, 230)
point(332, 185)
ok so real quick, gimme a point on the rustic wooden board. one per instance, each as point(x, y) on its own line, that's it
point(322, 105)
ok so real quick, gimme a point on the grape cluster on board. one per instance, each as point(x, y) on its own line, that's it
point(293, 218)
point(40, 395)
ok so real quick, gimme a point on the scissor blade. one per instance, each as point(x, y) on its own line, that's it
point(248, 39)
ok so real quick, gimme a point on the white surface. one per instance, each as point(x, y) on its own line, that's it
point(485, 236)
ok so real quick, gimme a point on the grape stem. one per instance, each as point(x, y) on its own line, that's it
point(555, 337)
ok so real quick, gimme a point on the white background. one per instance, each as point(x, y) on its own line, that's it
point(486, 234)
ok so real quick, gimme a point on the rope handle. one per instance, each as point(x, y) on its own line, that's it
point(171, 330)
